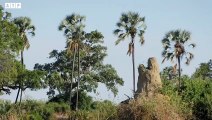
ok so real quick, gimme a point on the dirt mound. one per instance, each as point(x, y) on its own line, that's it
point(149, 79)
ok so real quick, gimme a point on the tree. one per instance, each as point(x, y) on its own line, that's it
point(204, 71)
point(130, 25)
point(25, 27)
point(169, 73)
point(10, 44)
point(93, 71)
point(73, 28)
point(174, 47)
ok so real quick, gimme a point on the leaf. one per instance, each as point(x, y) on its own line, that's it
point(193, 45)
point(142, 40)
point(130, 47)
point(172, 57)
point(163, 59)
point(118, 41)
point(116, 32)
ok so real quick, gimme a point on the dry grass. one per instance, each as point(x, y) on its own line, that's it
point(157, 107)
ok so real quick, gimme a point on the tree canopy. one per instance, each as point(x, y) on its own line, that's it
point(204, 70)
point(93, 70)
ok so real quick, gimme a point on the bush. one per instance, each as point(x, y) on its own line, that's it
point(4, 107)
point(105, 110)
point(198, 93)
point(84, 102)
point(195, 94)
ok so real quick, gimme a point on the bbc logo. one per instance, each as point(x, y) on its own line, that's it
point(12, 5)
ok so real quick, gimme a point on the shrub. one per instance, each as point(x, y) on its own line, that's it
point(4, 106)
point(195, 94)
point(198, 93)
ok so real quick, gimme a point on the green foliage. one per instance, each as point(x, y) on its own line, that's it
point(10, 44)
point(170, 89)
point(169, 73)
point(37, 110)
point(9, 70)
point(24, 25)
point(85, 100)
point(4, 107)
point(92, 69)
point(174, 43)
point(32, 79)
point(174, 46)
point(104, 110)
point(10, 41)
point(130, 25)
point(204, 71)
point(196, 94)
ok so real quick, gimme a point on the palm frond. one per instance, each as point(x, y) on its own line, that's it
point(175, 39)
point(163, 59)
point(172, 57)
point(141, 35)
point(164, 52)
point(142, 40)
point(25, 26)
point(165, 42)
point(193, 45)
point(175, 69)
point(130, 49)
point(119, 40)
point(26, 42)
point(117, 31)
point(32, 33)
point(124, 18)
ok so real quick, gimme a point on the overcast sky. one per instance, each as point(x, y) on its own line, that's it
point(161, 17)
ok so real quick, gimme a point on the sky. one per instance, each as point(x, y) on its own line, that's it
point(161, 16)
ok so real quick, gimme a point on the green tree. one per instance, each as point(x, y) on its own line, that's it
point(73, 28)
point(25, 27)
point(130, 25)
point(10, 44)
point(93, 71)
point(174, 47)
point(169, 73)
point(204, 71)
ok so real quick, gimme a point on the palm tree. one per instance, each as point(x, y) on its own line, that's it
point(25, 27)
point(73, 28)
point(174, 47)
point(130, 25)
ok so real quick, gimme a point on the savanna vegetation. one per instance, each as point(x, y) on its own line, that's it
point(79, 68)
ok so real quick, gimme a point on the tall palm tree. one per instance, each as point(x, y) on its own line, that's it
point(73, 28)
point(25, 28)
point(174, 47)
point(130, 25)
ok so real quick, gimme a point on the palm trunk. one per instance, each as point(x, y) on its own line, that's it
point(17, 95)
point(19, 89)
point(72, 76)
point(21, 96)
point(78, 80)
point(22, 62)
point(77, 100)
point(179, 72)
point(133, 62)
